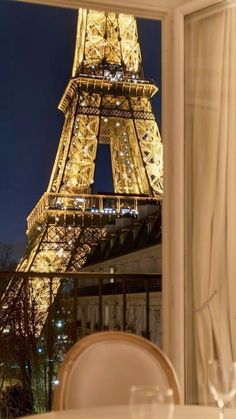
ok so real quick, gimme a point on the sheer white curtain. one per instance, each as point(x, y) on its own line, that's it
point(210, 138)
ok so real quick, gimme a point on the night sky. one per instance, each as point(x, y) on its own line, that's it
point(37, 51)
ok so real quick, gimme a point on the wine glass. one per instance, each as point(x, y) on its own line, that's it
point(222, 383)
point(151, 403)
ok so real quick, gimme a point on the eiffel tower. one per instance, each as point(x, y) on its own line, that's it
point(107, 100)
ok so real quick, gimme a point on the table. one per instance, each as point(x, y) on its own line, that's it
point(122, 412)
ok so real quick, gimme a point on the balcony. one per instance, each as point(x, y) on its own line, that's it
point(84, 209)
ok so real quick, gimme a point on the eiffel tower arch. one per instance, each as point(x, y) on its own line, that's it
point(107, 100)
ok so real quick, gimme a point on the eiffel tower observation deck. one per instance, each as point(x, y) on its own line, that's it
point(107, 100)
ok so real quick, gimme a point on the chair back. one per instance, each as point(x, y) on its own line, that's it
point(100, 369)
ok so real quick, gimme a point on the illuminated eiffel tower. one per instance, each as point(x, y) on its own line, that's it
point(107, 100)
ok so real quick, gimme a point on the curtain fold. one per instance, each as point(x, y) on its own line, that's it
point(210, 141)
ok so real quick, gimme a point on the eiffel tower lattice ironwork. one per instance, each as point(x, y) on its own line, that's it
point(107, 100)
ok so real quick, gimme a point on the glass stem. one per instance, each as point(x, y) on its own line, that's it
point(221, 411)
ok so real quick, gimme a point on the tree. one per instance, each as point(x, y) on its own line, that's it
point(7, 263)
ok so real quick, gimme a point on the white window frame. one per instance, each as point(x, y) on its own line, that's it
point(172, 288)
point(172, 14)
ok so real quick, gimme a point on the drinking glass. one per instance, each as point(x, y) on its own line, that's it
point(151, 403)
point(222, 383)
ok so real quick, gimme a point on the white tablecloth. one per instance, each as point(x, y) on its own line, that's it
point(122, 412)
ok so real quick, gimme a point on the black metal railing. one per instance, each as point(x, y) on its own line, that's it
point(36, 331)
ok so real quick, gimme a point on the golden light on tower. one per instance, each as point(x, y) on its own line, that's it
point(107, 100)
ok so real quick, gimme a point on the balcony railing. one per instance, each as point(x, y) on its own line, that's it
point(58, 206)
point(86, 303)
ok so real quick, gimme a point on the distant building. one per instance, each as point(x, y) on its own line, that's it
point(133, 245)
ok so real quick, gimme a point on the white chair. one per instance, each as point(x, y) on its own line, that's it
point(100, 369)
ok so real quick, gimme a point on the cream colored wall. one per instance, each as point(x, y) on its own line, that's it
point(127, 6)
point(148, 260)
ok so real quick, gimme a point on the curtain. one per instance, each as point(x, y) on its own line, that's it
point(210, 174)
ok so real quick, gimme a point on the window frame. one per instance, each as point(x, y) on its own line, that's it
point(172, 14)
